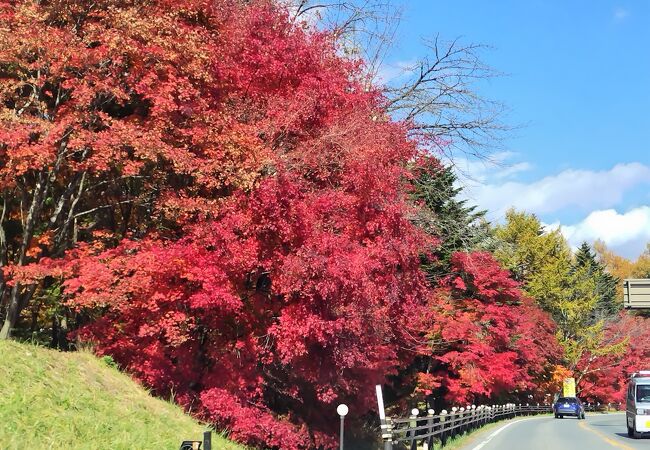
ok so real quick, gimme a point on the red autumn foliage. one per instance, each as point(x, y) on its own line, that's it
point(233, 199)
point(494, 339)
point(276, 306)
point(606, 376)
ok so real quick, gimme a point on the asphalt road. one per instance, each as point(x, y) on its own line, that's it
point(597, 432)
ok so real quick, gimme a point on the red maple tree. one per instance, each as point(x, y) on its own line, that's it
point(605, 376)
point(488, 339)
point(230, 198)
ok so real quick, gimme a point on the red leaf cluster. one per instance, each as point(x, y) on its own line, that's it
point(292, 300)
point(494, 339)
point(605, 377)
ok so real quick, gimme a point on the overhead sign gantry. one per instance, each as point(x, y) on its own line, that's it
point(636, 293)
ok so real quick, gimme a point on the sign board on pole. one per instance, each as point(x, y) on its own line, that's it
point(636, 294)
point(569, 387)
point(380, 402)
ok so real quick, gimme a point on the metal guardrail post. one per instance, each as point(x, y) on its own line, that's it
point(463, 420)
point(207, 440)
point(466, 419)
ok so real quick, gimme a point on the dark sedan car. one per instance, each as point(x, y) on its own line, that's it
point(568, 406)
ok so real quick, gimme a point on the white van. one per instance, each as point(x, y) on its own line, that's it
point(637, 411)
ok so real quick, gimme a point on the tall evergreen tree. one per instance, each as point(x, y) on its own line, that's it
point(605, 284)
point(444, 214)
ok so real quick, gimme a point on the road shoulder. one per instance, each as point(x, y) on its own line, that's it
point(481, 437)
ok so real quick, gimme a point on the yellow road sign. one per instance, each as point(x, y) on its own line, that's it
point(569, 387)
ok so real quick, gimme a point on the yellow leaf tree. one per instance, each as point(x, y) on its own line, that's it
point(575, 289)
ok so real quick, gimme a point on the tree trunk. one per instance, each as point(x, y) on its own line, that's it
point(13, 311)
point(60, 332)
point(3, 255)
point(16, 303)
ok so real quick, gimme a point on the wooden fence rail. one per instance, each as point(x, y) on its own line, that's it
point(429, 429)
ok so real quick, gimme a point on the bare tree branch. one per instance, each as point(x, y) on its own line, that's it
point(440, 100)
point(438, 95)
point(365, 29)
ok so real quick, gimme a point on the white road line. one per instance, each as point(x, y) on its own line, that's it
point(489, 438)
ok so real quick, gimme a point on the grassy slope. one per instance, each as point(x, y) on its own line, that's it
point(53, 400)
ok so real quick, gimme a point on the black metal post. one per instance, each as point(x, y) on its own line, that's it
point(207, 440)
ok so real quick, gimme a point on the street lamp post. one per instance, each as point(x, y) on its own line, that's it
point(342, 410)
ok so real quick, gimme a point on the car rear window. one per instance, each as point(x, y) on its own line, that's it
point(643, 393)
point(573, 400)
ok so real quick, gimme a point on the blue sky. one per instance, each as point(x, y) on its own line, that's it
point(577, 78)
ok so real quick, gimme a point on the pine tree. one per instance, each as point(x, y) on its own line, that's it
point(605, 284)
point(444, 214)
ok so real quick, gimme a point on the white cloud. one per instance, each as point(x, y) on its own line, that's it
point(513, 169)
point(621, 14)
point(394, 72)
point(627, 233)
point(495, 166)
point(581, 190)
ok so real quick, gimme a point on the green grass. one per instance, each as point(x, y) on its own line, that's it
point(54, 400)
